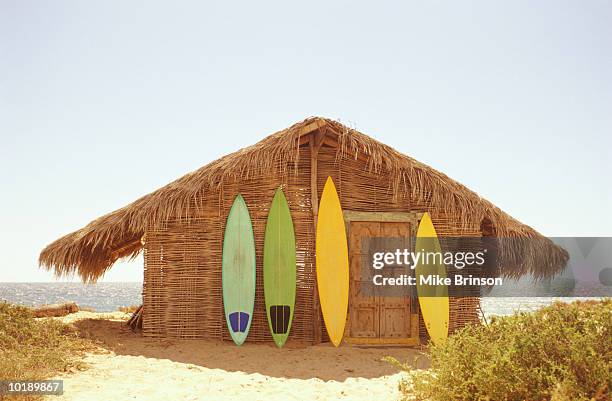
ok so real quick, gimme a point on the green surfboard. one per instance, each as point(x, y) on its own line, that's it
point(279, 268)
point(238, 271)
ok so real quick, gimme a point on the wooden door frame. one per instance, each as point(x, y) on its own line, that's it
point(413, 219)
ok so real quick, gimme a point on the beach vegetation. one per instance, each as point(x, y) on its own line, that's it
point(561, 352)
point(37, 349)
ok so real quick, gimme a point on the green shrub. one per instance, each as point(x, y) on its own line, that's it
point(562, 352)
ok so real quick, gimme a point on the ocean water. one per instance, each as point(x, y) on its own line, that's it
point(107, 297)
point(101, 297)
point(504, 306)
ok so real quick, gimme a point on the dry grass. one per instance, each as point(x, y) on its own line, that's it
point(128, 309)
point(36, 349)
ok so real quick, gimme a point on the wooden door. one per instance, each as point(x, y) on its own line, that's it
point(363, 304)
point(374, 316)
point(395, 308)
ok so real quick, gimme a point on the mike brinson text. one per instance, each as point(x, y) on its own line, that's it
point(436, 280)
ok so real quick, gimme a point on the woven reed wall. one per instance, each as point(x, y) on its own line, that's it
point(182, 274)
point(182, 293)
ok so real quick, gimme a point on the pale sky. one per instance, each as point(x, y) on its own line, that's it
point(101, 103)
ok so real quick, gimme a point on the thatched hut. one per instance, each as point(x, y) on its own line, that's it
point(179, 229)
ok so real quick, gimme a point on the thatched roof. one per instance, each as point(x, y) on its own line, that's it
point(93, 249)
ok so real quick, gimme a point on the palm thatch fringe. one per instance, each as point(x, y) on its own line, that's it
point(92, 250)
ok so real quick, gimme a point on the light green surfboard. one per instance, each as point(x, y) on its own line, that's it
point(238, 271)
point(279, 269)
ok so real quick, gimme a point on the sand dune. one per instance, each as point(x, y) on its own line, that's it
point(129, 367)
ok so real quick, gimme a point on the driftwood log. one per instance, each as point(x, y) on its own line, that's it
point(135, 322)
point(55, 310)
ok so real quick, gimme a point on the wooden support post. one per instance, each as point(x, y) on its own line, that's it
point(314, 190)
point(316, 140)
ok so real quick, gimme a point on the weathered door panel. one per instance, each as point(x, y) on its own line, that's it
point(364, 319)
point(375, 317)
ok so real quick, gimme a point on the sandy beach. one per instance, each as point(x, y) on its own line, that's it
point(128, 366)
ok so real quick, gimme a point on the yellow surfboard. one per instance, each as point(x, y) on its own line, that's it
point(432, 298)
point(332, 263)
